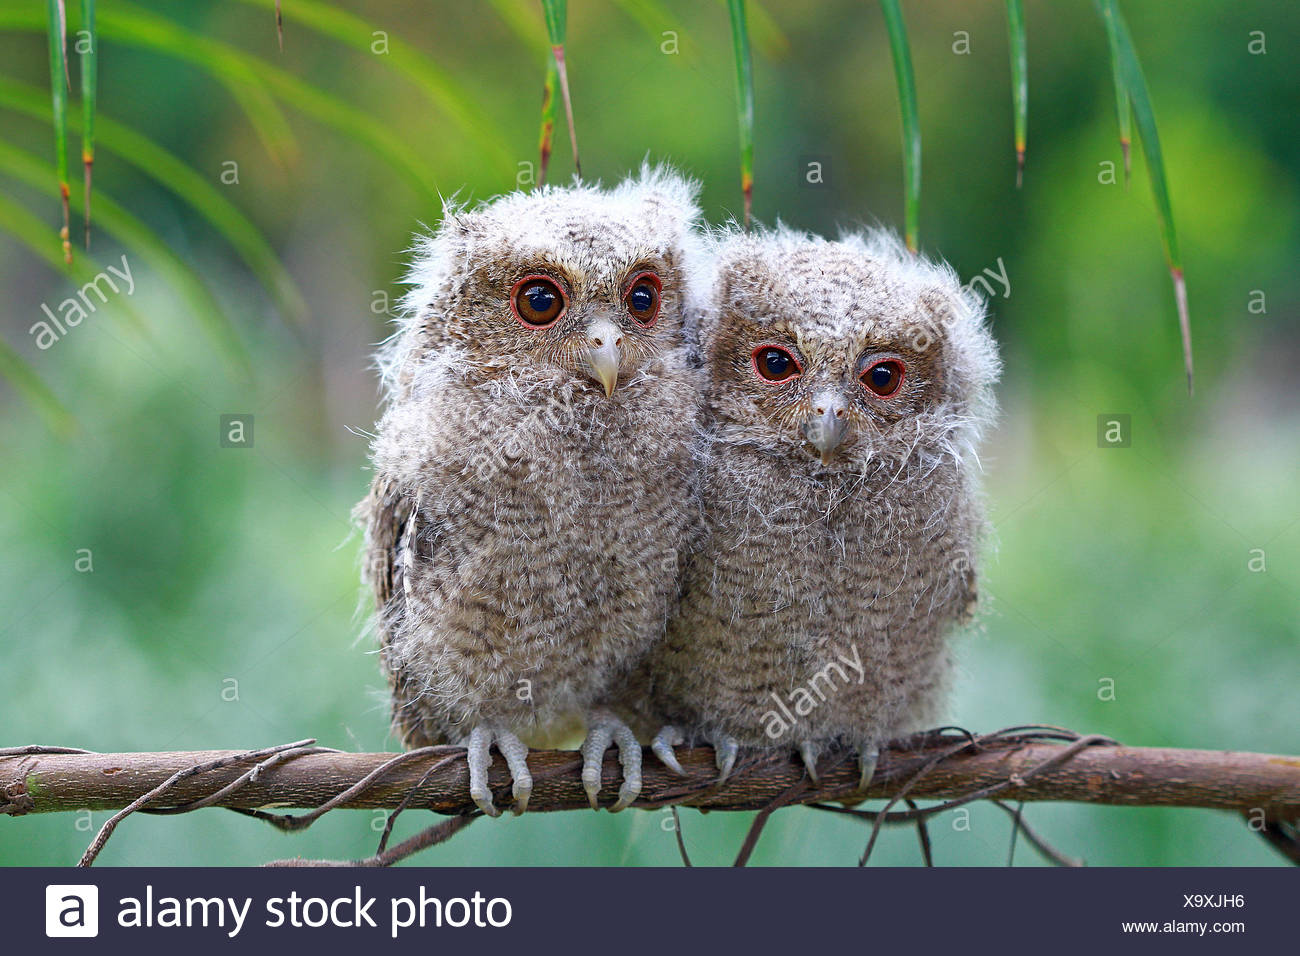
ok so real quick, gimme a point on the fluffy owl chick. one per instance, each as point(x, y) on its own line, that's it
point(847, 387)
point(531, 468)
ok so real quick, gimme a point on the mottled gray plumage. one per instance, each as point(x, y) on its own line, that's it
point(840, 528)
point(523, 527)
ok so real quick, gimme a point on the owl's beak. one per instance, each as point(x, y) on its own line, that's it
point(604, 355)
point(828, 424)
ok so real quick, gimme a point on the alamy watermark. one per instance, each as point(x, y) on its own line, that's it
point(74, 310)
point(804, 699)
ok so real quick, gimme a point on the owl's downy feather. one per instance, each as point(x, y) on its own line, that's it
point(820, 605)
point(523, 529)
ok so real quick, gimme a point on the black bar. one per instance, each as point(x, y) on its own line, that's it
point(666, 911)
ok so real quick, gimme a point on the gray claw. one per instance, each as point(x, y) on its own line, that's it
point(868, 755)
point(599, 737)
point(516, 754)
point(663, 744)
point(604, 729)
point(629, 756)
point(725, 749)
point(808, 751)
point(479, 758)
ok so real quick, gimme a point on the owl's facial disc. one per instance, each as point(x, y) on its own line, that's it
point(604, 354)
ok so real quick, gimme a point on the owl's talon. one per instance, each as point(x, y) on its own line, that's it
point(808, 753)
point(868, 756)
point(478, 755)
point(516, 753)
point(725, 749)
point(603, 730)
point(599, 737)
point(663, 744)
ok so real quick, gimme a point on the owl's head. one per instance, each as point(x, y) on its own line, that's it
point(844, 354)
point(578, 282)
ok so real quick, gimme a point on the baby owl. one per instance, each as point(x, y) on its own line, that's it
point(532, 470)
point(848, 384)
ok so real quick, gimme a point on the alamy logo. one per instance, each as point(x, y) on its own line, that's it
point(71, 910)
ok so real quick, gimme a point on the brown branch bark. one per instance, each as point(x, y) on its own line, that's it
point(36, 780)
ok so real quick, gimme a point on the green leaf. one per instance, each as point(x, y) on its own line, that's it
point(193, 187)
point(902, 55)
point(31, 232)
point(56, 28)
point(1135, 85)
point(89, 90)
point(269, 123)
point(18, 373)
point(124, 21)
point(767, 35)
point(1019, 81)
point(523, 23)
point(556, 13)
point(266, 118)
point(652, 17)
point(438, 87)
point(126, 24)
point(547, 135)
point(744, 100)
point(139, 238)
point(1123, 111)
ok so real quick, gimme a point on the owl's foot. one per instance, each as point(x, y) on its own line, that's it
point(479, 757)
point(868, 755)
point(604, 730)
point(663, 744)
point(725, 749)
point(808, 751)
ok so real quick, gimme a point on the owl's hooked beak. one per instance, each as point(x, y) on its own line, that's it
point(604, 355)
point(826, 427)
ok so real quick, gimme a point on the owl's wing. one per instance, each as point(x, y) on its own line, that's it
point(392, 528)
point(389, 515)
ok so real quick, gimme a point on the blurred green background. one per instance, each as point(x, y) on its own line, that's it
point(218, 568)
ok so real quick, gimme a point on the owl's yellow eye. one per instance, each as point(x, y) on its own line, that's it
point(774, 364)
point(537, 301)
point(883, 378)
point(642, 299)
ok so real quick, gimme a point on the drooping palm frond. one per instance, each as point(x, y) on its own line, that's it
point(1135, 89)
point(89, 95)
point(1123, 110)
point(547, 135)
point(57, 28)
point(29, 230)
point(442, 90)
point(1019, 81)
point(191, 186)
point(142, 241)
point(556, 13)
point(902, 55)
point(744, 100)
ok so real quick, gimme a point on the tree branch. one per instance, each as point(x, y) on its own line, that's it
point(1021, 764)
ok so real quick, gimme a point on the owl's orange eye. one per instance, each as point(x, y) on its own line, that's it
point(642, 299)
point(774, 364)
point(537, 301)
point(883, 378)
